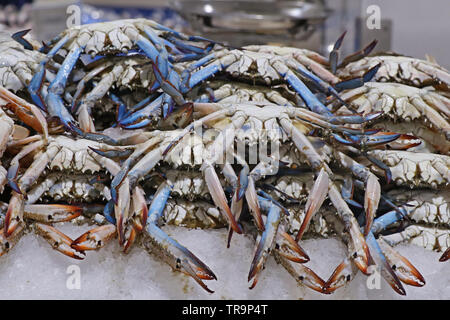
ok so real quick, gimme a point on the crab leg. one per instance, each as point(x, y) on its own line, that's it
point(386, 271)
point(173, 253)
point(58, 240)
point(285, 245)
point(8, 242)
point(21, 108)
point(94, 239)
point(404, 270)
point(357, 245)
point(265, 244)
point(51, 213)
point(316, 198)
point(16, 204)
point(342, 275)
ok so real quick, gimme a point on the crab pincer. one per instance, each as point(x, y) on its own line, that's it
point(172, 252)
point(59, 241)
point(445, 256)
point(315, 200)
point(265, 244)
point(94, 239)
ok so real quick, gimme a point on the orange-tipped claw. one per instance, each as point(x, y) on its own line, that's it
point(290, 249)
point(342, 275)
point(50, 213)
point(179, 257)
point(130, 237)
point(402, 267)
point(94, 239)
point(14, 214)
point(6, 243)
point(22, 109)
point(59, 241)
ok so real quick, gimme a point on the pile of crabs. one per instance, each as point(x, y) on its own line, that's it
point(128, 126)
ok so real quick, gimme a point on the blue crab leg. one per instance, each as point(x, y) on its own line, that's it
point(371, 201)
point(19, 37)
point(185, 47)
point(173, 253)
point(380, 260)
point(286, 246)
point(322, 85)
point(334, 54)
point(403, 268)
point(99, 137)
point(142, 114)
point(108, 212)
point(374, 140)
point(179, 257)
point(35, 86)
point(266, 244)
point(55, 105)
point(267, 196)
point(359, 81)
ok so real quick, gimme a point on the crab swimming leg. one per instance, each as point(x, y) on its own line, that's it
point(173, 253)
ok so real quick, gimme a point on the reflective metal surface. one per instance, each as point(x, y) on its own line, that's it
point(261, 17)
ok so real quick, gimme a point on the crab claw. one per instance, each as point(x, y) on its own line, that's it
point(315, 200)
point(242, 183)
point(19, 37)
point(12, 177)
point(303, 275)
point(58, 240)
point(130, 237)
point(342, 275)
point(386, 271)
point(22, 109)
point(178, 257)
point(359, 54)
point(6, 243)
point(266, 243)
point(50, 213)
point(289, 248)
point(140, 210)
point(252, 200)
point(14, 214)
point(371, 201)
point(218, 196)
point(445, 256)
point(404, 269)
point(358, 248)
point(94, 239)
point(334, 54)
